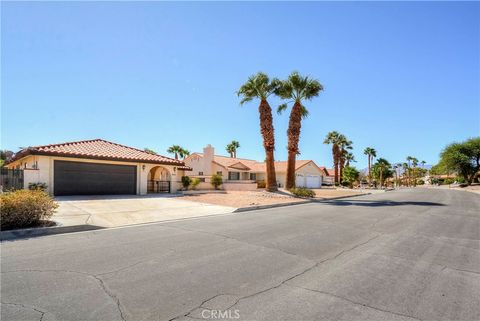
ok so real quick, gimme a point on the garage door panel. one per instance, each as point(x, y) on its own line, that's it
point(77, 178)
point(313, 181)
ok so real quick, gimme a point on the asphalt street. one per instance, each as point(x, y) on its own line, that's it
point(403, 255)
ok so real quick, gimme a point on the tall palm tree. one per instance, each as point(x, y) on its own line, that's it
point(405, 175)
point(371, 153)
point(175, 149)
point(344, 145)
point(333, 138)
point(260, 87)
point(296, 89)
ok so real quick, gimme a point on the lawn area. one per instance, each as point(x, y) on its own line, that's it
point(256, 198)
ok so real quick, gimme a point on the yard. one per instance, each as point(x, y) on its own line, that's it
point(257, 198)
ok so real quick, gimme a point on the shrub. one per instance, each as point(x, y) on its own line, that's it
point(37, 186)
point(302, 192)
point(24, 208)
point(186, 181)
point(195, 183)
point(261, 184)
point(420, 182)
point(448, 181)
point(216, 181)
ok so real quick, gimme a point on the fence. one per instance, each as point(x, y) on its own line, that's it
point(11, 179)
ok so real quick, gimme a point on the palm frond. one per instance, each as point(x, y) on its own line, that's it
point(281, 108)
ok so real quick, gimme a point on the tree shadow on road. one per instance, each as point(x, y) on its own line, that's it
point(380, 203)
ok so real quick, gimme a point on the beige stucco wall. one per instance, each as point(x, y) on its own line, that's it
point(44, 172)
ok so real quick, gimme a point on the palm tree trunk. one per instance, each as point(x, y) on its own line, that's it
point(267, 130)
point(176, 156)
point(335, 163)
point(293, 132)
point(369, 171)
point(341, 165)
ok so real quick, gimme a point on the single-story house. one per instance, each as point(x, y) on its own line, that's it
point(98, 167)
point(241, 173)
point(330, 177)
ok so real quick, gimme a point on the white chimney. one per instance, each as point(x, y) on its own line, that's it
point(208, 152)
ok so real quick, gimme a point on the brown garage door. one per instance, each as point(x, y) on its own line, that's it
point(77, 178)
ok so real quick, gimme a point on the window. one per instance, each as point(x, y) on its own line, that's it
point(234, 176)
point(200, 173)
point(253, 176)
point(220, 173)
point(202, 179)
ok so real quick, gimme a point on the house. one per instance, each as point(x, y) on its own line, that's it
point(330, 177)
point(241, 173)
point(95, 167)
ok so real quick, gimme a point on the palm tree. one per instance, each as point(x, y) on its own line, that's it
point(260, 87)
point(406, 168)
point(234, 145)
point(371, 153)
point(344, 144)
point(349, 157)
point(334, 139)
point(183, 153)
point(230, 150)
point(297, 89)
point(174, 149)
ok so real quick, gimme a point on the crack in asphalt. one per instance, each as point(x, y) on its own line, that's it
point(104, 287)
point(354, 302)
point(42, 313)
point(187, 314)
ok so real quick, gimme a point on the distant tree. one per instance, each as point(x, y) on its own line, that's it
point(381, 170)
point(345, 145)
point(297, 89)
point(463, 158)
point(349, 157)
point(334, 139)
point(371, 154)
point(150, 151)
point(350, 175)
point(5, 156)
point(232, 148)
point(178, 151)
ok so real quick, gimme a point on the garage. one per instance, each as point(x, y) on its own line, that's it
point(313, 181)
point(81, 178)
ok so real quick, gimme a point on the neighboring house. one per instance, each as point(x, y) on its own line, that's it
point(329, 179)
point(96, 167)
point(240, 173)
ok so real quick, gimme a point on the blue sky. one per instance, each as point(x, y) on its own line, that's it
point(403, 78)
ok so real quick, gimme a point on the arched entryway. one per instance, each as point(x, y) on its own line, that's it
point(159, 180)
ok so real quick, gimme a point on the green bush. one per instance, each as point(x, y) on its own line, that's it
point(261, 184)
point(37, 186)
point(302, 192)
point(420, 182)
point(25, 208)
point(186, 181)
point(448, 181)
point(216, 181)
point(194, 183)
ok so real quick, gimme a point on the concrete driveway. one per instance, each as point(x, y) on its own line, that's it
point(405, 256)
point(113, 211)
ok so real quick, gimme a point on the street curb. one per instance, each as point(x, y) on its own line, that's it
point(263, 207)
point(19, 234)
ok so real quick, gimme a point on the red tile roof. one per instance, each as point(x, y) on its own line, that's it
point(97, 149)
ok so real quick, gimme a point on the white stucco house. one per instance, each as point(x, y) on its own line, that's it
point(241, 173)
point(96, 167)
